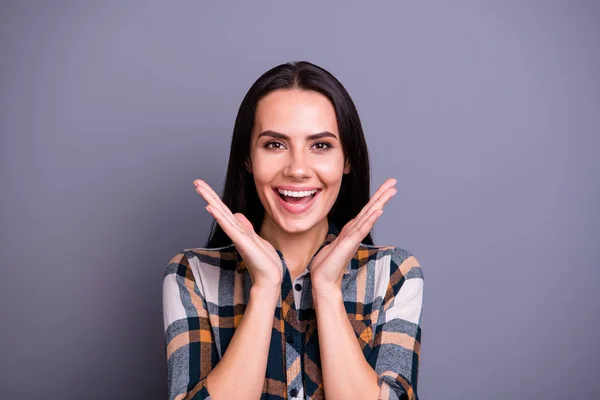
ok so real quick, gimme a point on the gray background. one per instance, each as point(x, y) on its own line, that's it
point(487, 113)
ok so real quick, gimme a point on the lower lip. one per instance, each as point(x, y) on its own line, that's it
point(296, 208)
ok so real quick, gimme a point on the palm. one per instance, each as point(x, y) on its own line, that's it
point(331, 261)
point(337, 253)
point(252, 247)
point(262, 260)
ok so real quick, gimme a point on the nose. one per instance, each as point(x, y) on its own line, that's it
point(297, 166)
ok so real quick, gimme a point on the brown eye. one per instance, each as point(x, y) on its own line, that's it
point(268, 145)
point(326, 146)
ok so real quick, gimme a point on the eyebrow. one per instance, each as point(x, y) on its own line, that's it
point(278, 135)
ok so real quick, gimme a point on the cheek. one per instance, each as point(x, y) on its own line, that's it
point(331, 172)
point(263, 172)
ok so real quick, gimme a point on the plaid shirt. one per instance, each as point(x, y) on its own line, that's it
point(205, 292)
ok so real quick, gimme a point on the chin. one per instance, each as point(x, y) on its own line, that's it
point(296, 225)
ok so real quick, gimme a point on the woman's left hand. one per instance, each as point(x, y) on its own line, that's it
point(330, 263)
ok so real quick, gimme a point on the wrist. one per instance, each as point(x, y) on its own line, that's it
point(329, 292)
point(326, 298)
point(266, 291)
point(326, 288)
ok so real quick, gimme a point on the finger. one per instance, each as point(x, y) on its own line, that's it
point(230, 230)
point(209, 194)
point(214, 200)
point(214, 204)
point(383, 189)
point(363, 229)
point(386, 185)
point(378, 205)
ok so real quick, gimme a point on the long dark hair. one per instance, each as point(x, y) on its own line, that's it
point(240, 193)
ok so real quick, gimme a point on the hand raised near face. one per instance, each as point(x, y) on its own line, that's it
point(261, 258)
point(329, 264)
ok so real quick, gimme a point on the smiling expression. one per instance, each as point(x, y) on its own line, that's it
point(296, 146)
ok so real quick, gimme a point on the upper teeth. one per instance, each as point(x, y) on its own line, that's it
point(297, 194)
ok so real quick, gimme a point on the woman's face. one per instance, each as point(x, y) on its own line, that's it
point(296, 146)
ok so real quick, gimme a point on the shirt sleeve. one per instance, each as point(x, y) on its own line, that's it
point(190, 348)
point(397, 343)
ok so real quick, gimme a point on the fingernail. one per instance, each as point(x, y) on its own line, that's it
point(206, 208)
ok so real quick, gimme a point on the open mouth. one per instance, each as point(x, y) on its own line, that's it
point(297, 199)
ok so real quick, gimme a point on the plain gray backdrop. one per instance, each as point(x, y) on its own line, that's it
point(486, 112)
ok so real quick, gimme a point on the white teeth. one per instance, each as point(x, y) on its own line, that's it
point(297, 194)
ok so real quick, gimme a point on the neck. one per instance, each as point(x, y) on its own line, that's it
point(297, 247)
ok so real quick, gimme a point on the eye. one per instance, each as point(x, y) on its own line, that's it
point(276, 145)
point(268, 145)
point(327, 146)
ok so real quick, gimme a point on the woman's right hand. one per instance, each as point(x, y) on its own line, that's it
point(261, 258)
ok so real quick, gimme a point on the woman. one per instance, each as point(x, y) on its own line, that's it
point(280, 303)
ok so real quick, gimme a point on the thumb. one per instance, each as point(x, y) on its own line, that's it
point(241, 218)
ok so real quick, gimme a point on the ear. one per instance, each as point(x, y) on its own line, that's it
point(248, 166)
point(347, 167)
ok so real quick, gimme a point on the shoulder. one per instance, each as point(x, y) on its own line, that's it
point(396, 271)
point(396, 258)
point(406, 263)
point(201, 271)
point(192, 260)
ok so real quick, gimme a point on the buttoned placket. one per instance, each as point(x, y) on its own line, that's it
point(300, 287)
point(294, 336)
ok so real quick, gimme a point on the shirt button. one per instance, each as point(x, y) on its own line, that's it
point(290, 339)
point(298, 287)
point(294, 392)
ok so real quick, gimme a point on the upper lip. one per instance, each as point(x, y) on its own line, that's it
point(297, 188)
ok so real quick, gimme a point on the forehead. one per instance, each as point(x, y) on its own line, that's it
point(295, 112)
